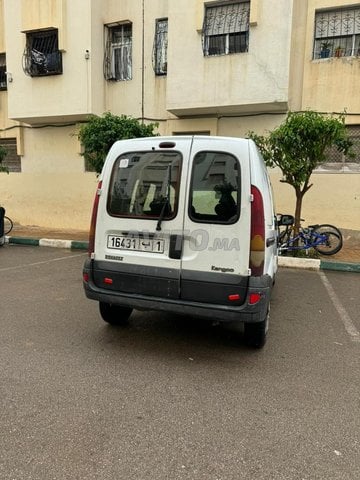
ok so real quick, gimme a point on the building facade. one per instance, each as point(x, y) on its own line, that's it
point(215, 67)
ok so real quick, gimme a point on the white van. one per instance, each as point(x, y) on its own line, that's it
point(184, 224)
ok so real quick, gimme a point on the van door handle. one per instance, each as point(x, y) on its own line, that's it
point(270, 241)
point(176, 246)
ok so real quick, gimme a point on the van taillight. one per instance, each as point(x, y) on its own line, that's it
point(257, 239)
point(93, 220)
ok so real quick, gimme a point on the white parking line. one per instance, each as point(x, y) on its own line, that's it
point(344, 316)
point(17, 267)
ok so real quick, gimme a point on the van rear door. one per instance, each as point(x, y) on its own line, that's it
point(215, 259)
point(138, 237)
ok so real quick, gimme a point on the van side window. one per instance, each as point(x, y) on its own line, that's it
point(143, 184)
point(215, 188)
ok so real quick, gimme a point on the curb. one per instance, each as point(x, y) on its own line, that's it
point(286, 262)
point(48, 242)
point(315, 264)
point(293, 262)
point(342, 266)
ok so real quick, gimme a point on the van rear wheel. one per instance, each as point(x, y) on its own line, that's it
point(255, 333)
point(114, 314)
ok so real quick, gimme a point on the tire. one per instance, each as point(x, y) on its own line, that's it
point(114, 314)
point(282, 240)
point(8, 225)
point(284, 237)
point(334, 241)
point(255, 333)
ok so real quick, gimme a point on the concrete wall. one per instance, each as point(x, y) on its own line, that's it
point(52, 190)
point(57, 97)
point(2, 29)
point(145, 94)
point(7, 126)
point(330, 84)
point(333, 198)
point(255, 80)
point(57, 193)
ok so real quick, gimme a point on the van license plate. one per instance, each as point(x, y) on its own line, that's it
point(154, 245)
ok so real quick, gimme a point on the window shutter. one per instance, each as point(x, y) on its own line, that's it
point(337, 23)
point(225, 19)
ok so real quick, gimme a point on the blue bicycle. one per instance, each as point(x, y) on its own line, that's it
point(324, 238)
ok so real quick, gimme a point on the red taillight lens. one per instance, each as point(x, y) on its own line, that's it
point(254, 298)
point(86, 277)
point(93, 219)
point(234, 297)
point(257, 239)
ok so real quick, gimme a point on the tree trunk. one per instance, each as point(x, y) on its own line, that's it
point(299, 198)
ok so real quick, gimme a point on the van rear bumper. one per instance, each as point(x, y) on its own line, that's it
point(224, 313)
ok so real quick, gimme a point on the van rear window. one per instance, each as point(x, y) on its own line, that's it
point(215, 188)
point(145, 184)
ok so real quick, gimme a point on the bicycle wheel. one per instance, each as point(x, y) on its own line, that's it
point(8, 225)
point(284, 239)
point(333, 240)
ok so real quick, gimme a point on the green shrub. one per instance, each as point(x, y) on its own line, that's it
point(99, 133)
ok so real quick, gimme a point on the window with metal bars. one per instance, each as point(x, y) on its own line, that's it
point(3, 85)
point(41, 55)
point(12, 160)
point(159, 57)
point(118, 52)
point(337, 33)
point(226, 28)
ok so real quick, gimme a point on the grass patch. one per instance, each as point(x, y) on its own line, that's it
point(308, 253)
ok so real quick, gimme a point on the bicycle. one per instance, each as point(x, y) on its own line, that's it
point(7, 224)
point(324, 238)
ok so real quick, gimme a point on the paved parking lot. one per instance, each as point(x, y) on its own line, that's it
point(169, 397)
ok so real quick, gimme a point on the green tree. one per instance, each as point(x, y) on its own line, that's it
point(3, 153)
point(299, 145)
point(99, 133)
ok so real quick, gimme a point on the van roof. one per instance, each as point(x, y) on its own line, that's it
point(172, 138)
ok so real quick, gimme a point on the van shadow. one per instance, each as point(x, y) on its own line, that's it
point(171, 335)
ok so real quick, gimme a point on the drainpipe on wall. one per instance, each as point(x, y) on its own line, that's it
point(143, 65)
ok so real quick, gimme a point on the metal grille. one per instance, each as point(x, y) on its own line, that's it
point(159, 57)
point(3, 85)
point(118, 52)
point(226, 29)
point(88, 167)
point(337, 161)
point(337, 33)
point(41, 55)
point(12, 160)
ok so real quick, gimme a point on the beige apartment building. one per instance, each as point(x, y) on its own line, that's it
point(207, 67)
